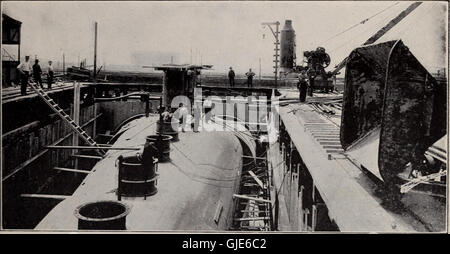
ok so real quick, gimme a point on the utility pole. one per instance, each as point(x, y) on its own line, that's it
point(95, 51)
point(260, 69)
point(64, 64)
point(277, 44)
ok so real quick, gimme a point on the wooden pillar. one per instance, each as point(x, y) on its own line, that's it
point(94, 128)
point(164, 90)
point(76, 117)
point(314, 208)
point(95, 52)
point(184, 83)
point(300, 209)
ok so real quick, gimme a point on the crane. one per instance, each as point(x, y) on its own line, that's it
point(381, 32)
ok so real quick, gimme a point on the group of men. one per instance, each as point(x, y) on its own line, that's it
point(181, 114)
point(249, 75)
point(26, 70)
point(302, 84)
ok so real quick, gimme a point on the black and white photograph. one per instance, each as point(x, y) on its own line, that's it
point(224, 117)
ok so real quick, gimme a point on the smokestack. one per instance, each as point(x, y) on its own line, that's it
point(287, 52)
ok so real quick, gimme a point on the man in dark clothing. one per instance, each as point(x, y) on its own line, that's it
point(50, 75)
point(37, 73)
point(149, 153)
point(231, 77)
point(250, 75)
point(311, 86)
point(302, 86)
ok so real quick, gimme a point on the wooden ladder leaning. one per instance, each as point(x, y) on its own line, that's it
point(55, 107)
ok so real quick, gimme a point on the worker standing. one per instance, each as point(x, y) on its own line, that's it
point(37, 72)
point(149, 153)
point(191, 80)
point(208, 106)
point(197, 115)
point(50, 75)
point(311, 84)
point(231, 77)
point(302, 85)
point(181, 114)
point(166, 114)
point(250, 75)
point(24, 70)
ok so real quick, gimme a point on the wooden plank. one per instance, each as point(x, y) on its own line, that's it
point(260, 183)
point(72, 170)
point(251, 198)
point(92, 147)
point(252, 211)
point(86, 156)
point(251, 218)
point(47, 196)
point(256, 158)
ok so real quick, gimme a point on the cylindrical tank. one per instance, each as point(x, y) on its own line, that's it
point(102, 215)
point(287, 47)
point(136, 179)
point(163, 143)
point(168, 128)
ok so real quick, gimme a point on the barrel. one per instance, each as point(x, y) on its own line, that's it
point(167, 129)
point(135, 178)
point(163, 145)
point(102, 215)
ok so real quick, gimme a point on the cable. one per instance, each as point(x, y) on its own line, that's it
point(196, 180)
point(359, 23)
point(206, 178)
point(346, 43)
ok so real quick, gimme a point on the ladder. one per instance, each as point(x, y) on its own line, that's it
point(55, 107)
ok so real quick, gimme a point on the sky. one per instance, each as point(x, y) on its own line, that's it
point(222, 34)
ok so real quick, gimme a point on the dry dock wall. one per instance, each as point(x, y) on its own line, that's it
point(28, 167)
point(115, 112)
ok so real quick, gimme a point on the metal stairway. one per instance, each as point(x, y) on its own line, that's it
point(55, 107)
